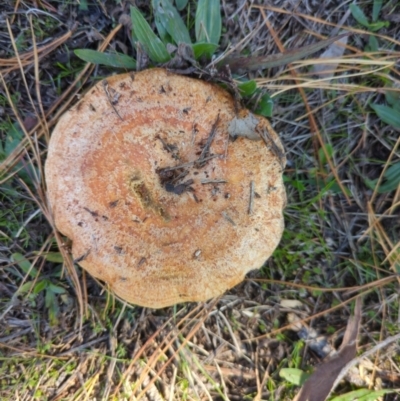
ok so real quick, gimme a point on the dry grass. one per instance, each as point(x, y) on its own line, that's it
point(64, 337)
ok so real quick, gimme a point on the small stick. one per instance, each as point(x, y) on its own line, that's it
point(251, 200)
point(228, 218)
point(105, 86)
point(82, 257)
point(269, 142)
point(213, 182)
point(206, 150)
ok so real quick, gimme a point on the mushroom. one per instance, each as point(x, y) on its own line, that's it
point(161, 195)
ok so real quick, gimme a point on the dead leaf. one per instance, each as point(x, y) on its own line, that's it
point(334, 52)
point(318, 386)
point(252, 63)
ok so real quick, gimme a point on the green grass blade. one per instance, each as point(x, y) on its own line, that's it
point(387, 114)
point(153, 46)
point(117, 60)
point(168, 17)
point(240, 64)
point(362, 395)
point(208, 21)
point(359, 15)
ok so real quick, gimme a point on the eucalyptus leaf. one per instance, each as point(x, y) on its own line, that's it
point(168, 17)
point(208, 21)
point(153, 45)
point(387, 114)
point(116, 60)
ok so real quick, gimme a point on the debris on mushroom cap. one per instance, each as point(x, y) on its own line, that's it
point(159, 200)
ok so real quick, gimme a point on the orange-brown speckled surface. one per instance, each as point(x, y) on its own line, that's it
point(108, 192)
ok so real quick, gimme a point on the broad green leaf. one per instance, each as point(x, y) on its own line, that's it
point(208, 21)
point(153, 46)
point(24, 264)
point(376, 9)
point(247, 88)
point(387, 114)
point(206, 49)
point(167, 16)
point(181, 4)
point(265, 106)
point(244, 64)
point(362, 395)
point(117, 60)
point(359, 15)
point(294, 376)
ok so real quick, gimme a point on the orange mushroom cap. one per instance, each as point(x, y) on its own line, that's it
point(159, 200)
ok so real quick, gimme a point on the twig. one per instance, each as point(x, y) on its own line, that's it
point(205, 153)
point(251, 200)
point(106, 90)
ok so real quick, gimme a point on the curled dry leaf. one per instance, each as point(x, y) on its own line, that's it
point(319, 385)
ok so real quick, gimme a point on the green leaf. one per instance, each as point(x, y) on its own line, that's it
point(13, 138)
point(40, 286)
point(393, 98)
point(24, 264)
point(391, 180)
point(376, 9)
point(167, 16)
point(54, 257)
point(387, 114)
point(56, 289)
point(321, 153)
point(251, 63)
point(373, 44)
point(247, 88)
point(181, 4)
point(362, 395)
point(294, 376)
point(153, 46)
point(265, 106)
point(375, 26)
point(117, 60)
point(206, 49)
point(359, 15)
point(208, 21)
